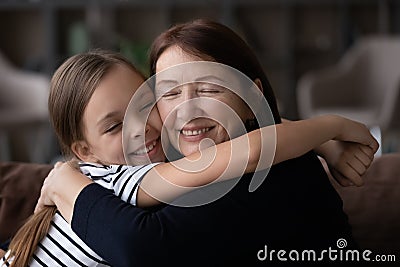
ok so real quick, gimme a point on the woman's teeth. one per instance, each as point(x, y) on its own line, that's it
point(146, 149)
point(195, 132)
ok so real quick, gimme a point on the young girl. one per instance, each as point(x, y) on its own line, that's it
point(88, 98)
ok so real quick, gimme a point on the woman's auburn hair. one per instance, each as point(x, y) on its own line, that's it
point(213, 41)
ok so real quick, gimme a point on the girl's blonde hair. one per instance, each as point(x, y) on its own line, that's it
point(71, 88)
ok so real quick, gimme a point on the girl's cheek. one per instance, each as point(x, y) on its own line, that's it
point(155, 119)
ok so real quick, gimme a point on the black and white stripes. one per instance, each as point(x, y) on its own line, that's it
point(61, 246)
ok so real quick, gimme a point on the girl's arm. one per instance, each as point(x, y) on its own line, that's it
point(314, 132)
point(248, 153)
point(346, 162)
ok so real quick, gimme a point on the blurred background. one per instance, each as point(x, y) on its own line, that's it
point(321, 56)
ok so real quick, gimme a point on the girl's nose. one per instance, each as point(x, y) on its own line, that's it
point(136, 128)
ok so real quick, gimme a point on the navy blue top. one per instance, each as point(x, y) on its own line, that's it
point(4, 246)
point(296, 207)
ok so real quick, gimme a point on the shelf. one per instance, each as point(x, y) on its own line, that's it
point(290, 37)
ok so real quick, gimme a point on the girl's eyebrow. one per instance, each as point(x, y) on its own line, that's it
point(143, 93)
point(107, 116)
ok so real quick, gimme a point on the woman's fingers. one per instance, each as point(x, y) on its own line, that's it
point(42, 202)
point(58, 164)
point(74, 164)
point(43, 199)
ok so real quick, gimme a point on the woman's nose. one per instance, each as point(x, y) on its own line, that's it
point(188, 106)
point(190, 109)
point(188, 92)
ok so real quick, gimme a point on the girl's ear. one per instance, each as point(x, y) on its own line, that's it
point(82, 151)
point(259, 84)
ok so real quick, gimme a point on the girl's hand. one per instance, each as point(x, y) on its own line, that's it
point(348, 161)
point(350, 156)
point(356, 132)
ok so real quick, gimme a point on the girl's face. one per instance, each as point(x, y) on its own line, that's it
point(104, 115)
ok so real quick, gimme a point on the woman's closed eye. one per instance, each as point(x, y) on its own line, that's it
point(209, 89)
point(171, 94)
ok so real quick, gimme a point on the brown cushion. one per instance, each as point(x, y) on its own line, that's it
point(20, 185)
point(373, 208)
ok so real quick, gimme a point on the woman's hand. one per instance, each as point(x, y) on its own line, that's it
point(61, 188)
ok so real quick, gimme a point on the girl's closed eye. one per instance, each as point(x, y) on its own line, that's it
point(147, 106)
point(115, 127)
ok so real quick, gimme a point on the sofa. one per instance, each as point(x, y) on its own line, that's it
point(20, 185)
point(372, 209)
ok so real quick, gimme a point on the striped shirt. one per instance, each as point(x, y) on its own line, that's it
point(61, 246)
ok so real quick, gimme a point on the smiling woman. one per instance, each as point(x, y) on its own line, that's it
point(303, 209)
point(195, 105)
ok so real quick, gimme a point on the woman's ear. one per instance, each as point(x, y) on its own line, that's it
point(258, 82)
point(82, 151)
